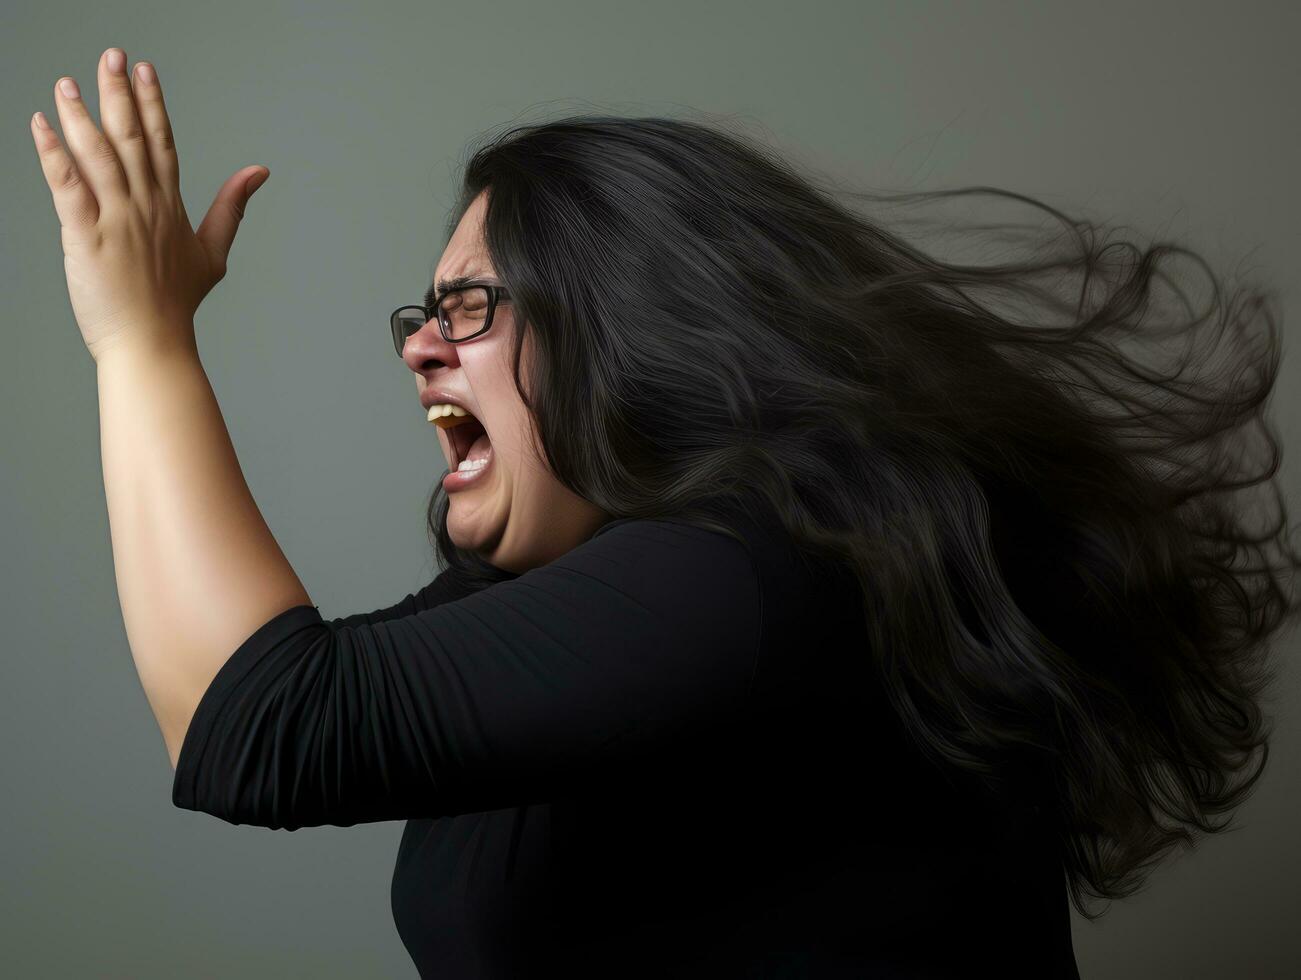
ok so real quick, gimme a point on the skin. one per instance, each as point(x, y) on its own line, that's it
point(516, 515)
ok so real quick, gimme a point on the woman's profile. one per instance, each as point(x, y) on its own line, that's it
point(811, 605)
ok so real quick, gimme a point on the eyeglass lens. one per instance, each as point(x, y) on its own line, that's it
point(462, 314)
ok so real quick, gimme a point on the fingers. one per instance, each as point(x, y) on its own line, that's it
point(159, 143)
point(74, 201)
point(122, 127)
point(133, 158)
point(96, 158)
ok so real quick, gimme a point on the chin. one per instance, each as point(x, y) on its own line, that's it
point(472, 530)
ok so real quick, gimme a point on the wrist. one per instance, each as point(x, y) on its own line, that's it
point(175, 340)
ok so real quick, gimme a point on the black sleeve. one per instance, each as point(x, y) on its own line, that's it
point(638, 642)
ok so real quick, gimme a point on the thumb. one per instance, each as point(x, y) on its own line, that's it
point(219, 225)
point(256, 181)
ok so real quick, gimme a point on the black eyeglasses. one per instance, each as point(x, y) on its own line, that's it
point(464, 313)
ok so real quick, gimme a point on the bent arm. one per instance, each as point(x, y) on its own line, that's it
point(627, 658)
point(197, 568)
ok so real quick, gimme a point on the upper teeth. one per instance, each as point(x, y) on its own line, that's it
point(443, 410)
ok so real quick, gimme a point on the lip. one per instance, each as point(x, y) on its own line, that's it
point(455, 480)
point(439, 396)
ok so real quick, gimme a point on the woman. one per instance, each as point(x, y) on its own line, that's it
point(809, 616)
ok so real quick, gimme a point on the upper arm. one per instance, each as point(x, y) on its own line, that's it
point(636, 643)
point(438, 591)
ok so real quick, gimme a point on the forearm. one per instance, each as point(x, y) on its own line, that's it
point(197, 568)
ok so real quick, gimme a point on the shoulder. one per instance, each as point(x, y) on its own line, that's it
point(667, 543)
point(761, 540)
point(686, 576)
point(754, 563)
point(675, 544)
point(664, 529)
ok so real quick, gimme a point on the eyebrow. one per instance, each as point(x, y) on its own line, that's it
point(456, 282)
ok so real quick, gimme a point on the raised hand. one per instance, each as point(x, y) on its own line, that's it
point(136, 270)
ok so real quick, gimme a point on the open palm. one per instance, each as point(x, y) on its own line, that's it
point(136, 269)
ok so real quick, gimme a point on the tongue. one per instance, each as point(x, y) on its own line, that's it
point(480, 449)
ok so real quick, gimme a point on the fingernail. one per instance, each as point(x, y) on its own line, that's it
point(116, 59)
point(145, 72)
point(69, 88)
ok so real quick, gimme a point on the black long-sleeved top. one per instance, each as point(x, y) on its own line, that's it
point(661, 754)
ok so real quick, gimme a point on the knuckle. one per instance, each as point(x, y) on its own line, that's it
point(67, 177)
point(102, 151)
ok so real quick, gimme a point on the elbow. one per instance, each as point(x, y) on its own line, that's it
point(238, 748)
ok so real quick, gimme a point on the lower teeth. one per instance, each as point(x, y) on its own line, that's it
point(477, 464)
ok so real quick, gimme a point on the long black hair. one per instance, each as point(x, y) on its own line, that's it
point(1034, 468)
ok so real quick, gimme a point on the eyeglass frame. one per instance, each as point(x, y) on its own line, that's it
point(431, 312)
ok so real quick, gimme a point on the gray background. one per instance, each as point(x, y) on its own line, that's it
point(1178, 119)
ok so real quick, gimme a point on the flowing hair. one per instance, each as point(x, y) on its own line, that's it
point(1037, 469)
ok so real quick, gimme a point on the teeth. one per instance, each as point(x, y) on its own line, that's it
point(445, 409)
point(453, 414)
point(478, 464)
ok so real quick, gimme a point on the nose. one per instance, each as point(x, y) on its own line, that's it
point(427, 349)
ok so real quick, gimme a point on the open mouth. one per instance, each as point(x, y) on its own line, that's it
point(469, 440)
